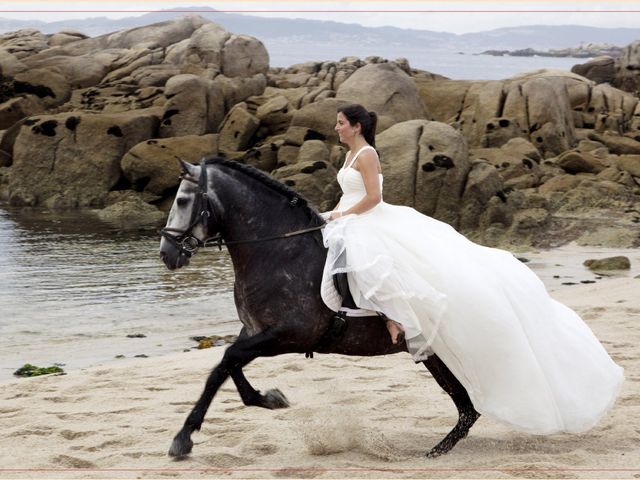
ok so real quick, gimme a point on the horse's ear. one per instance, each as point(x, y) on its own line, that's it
point(188, 168)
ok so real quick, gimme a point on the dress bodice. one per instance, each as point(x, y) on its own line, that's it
point(352, 183)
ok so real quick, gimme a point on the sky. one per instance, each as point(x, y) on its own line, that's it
point(446, 16)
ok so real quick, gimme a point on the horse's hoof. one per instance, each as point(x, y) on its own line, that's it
point(274, 398)
point(181, 446)
point(435, 452)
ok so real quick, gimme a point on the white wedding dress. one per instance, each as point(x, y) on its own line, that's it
point(525, 359)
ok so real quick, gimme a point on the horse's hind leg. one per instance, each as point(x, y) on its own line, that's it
point(251, 397)
point(467, 415)
point(235, 357)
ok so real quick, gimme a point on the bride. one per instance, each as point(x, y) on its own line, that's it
point(525, 359)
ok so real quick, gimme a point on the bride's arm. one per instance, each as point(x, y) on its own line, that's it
point(368, 167)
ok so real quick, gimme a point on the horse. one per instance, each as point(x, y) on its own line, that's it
point(275, 244)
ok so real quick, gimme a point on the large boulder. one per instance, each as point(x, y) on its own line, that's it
point(238, 129)
point(18, 108)
point(204, 48)
point(152, 166)
point(315, 121)
point(157, 35)
point(385, 89)
point(515, 168)
point(313, 179)
point(483, 183)
point(549, 115)
point(82, 70)
point(628, 72)
point(629, 163)
point(50, 86)
point(70, 159)
point(238, 89)
point(535, 106)
point(131, 214)
point(244, 56)
point(599, 69)
point(23, 43)
point(194, 107)
point(617, 144)
point(64, 36)
point(606, 108)
point(610, 263)
point(425, 166)
point(573, 162)
point(275, 114)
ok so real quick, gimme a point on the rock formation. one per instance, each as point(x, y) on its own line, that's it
point(621, 71)
point(541, 158)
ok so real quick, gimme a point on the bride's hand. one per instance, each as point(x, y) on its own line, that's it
point(335, 215)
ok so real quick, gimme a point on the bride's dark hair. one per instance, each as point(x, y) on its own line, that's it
point(368, 121)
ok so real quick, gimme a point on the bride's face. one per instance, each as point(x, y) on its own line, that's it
point(346, 131)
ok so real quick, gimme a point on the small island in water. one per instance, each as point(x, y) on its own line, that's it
point(584, 50)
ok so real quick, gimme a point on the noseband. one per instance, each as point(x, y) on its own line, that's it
point(188, 243)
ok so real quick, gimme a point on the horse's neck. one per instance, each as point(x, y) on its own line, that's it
point(253, 213)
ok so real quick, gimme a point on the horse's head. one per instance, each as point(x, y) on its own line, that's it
point(190, 217)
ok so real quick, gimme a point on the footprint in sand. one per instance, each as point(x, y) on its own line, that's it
point(71, 435)
point(143, 454)
point(234, 409)
point(630, 400)
point(260, 447)
point(73, 416)
point(37, 430)
point(18, 395)
point(225, 460)
point(10, 411)
point(293, 367)
point(311, 472)
point(63, 399)
point(71, 462)
point(110, 444)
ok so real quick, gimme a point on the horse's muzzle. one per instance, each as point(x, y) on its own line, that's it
point(174, 259)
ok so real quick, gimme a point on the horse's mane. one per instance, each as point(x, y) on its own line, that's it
point(269, 182)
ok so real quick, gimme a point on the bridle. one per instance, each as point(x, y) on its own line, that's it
point(203, 209)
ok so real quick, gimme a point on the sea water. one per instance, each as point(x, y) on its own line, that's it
point(452, 64)
point(72, 289)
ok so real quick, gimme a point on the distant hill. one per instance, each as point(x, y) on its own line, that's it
point(303, 31)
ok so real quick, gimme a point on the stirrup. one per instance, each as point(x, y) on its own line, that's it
point(338, 326)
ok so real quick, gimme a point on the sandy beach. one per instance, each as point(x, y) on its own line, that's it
point(350, 417)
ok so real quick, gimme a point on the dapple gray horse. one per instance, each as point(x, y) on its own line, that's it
point(276, 247)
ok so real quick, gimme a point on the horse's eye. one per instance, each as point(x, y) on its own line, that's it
point(182, 201)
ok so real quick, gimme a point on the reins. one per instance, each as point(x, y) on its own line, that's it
point(189, 243)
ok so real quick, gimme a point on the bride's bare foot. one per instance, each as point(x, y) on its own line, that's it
point(396, 331)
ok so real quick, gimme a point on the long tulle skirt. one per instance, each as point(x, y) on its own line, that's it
point(524, 358)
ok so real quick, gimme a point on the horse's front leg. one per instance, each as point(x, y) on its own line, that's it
point(243, 351)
